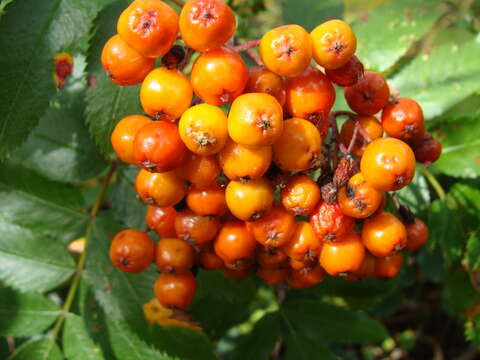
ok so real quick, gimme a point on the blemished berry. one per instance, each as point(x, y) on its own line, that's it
point(330, 223)
point(174, 255)
point(132, 251)
point(348, 74)
point(427, 150)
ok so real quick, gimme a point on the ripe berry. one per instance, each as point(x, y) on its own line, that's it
point(358, 198)
point(249, 200)
point(132, 251)
point(175, 290)
point(219, 76)
point(309, 276)
point(203, 129)
point(343, 257)
point(302, 264)
point(124, 65)
point(299, 148)
point(196, 229)
point(172, 59)
point(234, 274)
point(174, 255)
point(161, 220)
point(417, 235)
point(234, 244)
point(262, 80)
point(334, 43)
point(160, 189)
point(270, 256)
point(388, 164)
point(329, 223)
point(310, 96)
point(427, 150)
point(275, 275)
point(148, 26)
point(369, 95)
point(209, 260)
point(370, 124)
point(348, 74)
point(275, 228)
point(124, 134)
point(384, 234)
point(166, 94)
point(200, 171)
point(206, 24)
point(207, 201)
point(403, 119)
point(366, 270)
point(304, 244)
point(158, 148)
point(255, 119)
point(243, 162)
point(300, 195)
point(389, 266)
point(286, 50)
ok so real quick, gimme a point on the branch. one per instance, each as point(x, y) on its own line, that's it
point(246, 46)
point(179, 3)
point(433, 181)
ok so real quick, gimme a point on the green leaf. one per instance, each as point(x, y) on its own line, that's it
point(107, 103)
point(309, 14)
point(31, 33)
point(37, 350)
point(128, 208)
point(259, 343)
point(77, 344)
point(445, 230)
point(458, 292)
point(30, 262)
point(460, 143)
point(416, 195)
point(331, 323)
point(300, 347)
point(45, 207)
point(430, 259)
point(63, 153)
point(385, 34)
point(121, 295)
point(127, 345)
point(473, 251)
point(472, 330)
point(23, 315)
point(467, 198)
point(438, 84)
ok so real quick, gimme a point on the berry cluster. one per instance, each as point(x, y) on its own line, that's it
point(273, 187)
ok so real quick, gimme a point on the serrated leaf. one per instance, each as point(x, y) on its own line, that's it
point(31, 33)
point(332, 323)
point(107, 103)
point(77, 344)
point(37, 350)
point(23, 315)
point(30, 262)
point(473, 251)
point(386, 32)
point(63, 153)
point(36, 204)
point(127, 207)
point(126, 344)
point(416, 195)
point(460, 143)
point(445, 230)
point(259, 343)
point(121, 295)
point(438, 84)
point(309, 14)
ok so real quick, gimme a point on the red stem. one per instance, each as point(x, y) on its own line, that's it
point(354, 137)
point(246, 46)
point(186, 59)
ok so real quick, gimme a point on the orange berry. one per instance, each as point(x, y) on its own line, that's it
point(165, 94)
point(389, 266)
point(299, 148)
point(334, 43)
point(219, 76)
point(384, 234)
point(268, 256)
point(132, 251)
point(160, 189)
point(274, 275)
point(234, 244)
point(348, 74)
point(403, 119)
point(196, 229)
point(343, 257)
point(161, 220)
point(174, 255)
point(207, 201)
point(124, 134)
point(124, 65)
point(275, 228)
point(148, 26)
point(388, 164)
point(249, 200)
point(209, 260)
point(286, 50)
point(175, 290)
point(329, 223)
point(200, 171)
point(255, 119)
point(206, 24)
point(417, 234)
point(203, 129)
point(310, 275)
point(369, 95)
point(304, 244)
point(371, 126)
point(262, 80)
point(300, 195)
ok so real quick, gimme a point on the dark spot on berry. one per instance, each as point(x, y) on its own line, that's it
point(350, 191)
point(360, 205)
point(124, 261)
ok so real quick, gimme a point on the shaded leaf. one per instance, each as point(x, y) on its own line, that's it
point(417, 194)
point(300, 347)
point(23, 315)
point(309, 14)
point(473, 251)
point(77, 344)
point(37, 350)
point(458, 292)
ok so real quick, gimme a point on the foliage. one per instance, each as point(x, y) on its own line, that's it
point(59, 182)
